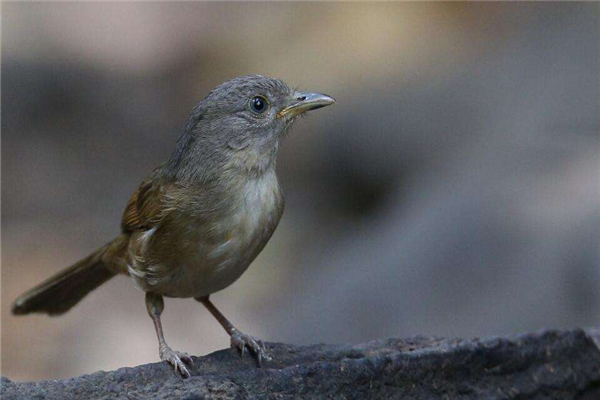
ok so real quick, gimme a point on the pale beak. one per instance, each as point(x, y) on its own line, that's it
point(305, 102)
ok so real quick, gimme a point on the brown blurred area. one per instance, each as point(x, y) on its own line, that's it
point(453, 190)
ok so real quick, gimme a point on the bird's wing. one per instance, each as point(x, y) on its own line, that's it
point(147, 206)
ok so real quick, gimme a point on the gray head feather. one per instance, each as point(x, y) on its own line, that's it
point(224, 136)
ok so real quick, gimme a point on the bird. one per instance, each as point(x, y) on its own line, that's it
point(197, 222)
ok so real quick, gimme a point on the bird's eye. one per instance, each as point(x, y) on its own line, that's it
point(259, 104)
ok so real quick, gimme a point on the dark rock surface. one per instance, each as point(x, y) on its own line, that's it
point(545, 365)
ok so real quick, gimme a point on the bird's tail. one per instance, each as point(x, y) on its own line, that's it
point(59, 293)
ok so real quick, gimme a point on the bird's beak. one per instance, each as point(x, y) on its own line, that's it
point(305, 102)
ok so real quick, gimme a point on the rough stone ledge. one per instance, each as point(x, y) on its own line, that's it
point(546, 365)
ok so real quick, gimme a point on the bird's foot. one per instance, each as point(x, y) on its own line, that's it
point(178, 359)
point(241, 341)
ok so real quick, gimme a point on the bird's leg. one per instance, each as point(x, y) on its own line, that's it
point(155, 306)
point(238, 339)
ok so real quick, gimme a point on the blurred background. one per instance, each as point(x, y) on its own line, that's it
point(453, 190)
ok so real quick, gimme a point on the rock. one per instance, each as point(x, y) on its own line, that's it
point(545, 365)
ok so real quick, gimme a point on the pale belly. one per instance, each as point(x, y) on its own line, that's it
point(215, 266)
point(208, 257)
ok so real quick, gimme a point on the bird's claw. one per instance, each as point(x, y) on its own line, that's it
point(178, 360)
point(241, 341)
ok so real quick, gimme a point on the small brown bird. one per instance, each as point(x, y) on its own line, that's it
point(197, 222)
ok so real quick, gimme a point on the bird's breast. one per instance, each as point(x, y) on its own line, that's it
point(215, 251)
point(253, 215)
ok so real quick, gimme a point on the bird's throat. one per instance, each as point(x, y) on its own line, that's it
point(253, 161)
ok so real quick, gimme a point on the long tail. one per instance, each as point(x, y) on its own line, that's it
point(59, 293)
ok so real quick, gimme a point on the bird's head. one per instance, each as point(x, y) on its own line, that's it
point(241, 122)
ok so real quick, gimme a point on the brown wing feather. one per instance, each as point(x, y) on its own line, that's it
point(146, 207)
